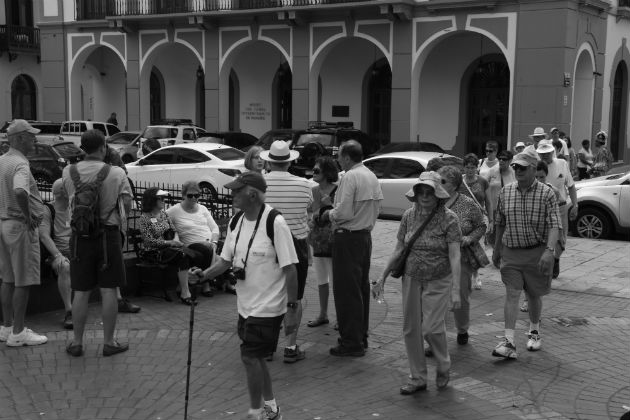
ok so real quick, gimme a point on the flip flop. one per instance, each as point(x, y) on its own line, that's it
point(317, 322)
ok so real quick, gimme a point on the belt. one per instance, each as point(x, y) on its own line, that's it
point(562, 203)
point(341, 230)
point(527, 247)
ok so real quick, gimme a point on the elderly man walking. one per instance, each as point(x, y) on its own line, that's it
point(353, 216)
point(292, 196)
point(527, 220)
point(266, 288)
point(21, 212)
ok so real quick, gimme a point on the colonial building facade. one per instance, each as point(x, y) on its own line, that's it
point(452, 72)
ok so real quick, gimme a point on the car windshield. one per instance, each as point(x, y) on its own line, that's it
point(159, 133)
point(321, 138)
point(227, 154)
point(67, 149)
point(121, 138)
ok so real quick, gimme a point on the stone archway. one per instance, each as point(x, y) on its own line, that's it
point(583, 93)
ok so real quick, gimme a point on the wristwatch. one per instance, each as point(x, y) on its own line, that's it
point(548, 248)
point(292, 305)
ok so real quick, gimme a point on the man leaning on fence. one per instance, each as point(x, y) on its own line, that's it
point(97, 261)
point(21, 211)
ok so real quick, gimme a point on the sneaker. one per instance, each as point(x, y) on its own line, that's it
point(125, 306)
point(26, 338)
point(67, 321)
point(505, 349)
point(293, 355)
point(524, 306)
point(4, 333)
point(534, 342)
point(112, 349)
point(556, 269)
point(477, 283)
point(269, 414)
point(442, 378)
point(462, 339)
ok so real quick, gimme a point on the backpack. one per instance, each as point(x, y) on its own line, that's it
point(271, 217)
point(86, 219)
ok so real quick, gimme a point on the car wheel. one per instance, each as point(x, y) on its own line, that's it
point(209, 195)
point(592, 223)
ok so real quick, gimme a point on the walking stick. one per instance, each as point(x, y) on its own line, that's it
point(190, 337)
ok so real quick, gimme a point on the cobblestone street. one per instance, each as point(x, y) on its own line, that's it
point(581, 372)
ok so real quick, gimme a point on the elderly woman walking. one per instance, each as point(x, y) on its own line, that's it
point(430, 280)
point(473, 256)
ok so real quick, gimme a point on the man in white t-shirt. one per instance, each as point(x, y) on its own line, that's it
point(559, 176)
point(266, 286)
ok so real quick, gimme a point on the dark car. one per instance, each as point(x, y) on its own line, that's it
point(47, 161)
point(323, 139)
point(407, 146)
point(235, 139)
point(285, 134)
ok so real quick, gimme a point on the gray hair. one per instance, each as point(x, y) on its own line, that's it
point(452, 174)
point(188, 185)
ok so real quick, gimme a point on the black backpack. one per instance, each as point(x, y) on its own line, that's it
point(86, 218)
point(271, 217)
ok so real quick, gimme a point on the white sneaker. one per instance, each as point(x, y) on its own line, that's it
point(26, 338)
point(505, 349)
point(4, 333)
point(534, 342)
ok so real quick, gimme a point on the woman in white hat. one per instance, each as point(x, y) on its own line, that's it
point(431, 278)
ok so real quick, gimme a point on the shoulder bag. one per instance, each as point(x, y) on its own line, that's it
point(320, 237)
point(398, 265)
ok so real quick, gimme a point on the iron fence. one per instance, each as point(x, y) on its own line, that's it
point(19, 38)
point(218, 203)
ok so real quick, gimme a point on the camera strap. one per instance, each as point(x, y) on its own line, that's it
point(251, 239)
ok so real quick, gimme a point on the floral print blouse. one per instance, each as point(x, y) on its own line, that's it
point(471, 221)
point(152, 230)
point(428, 259)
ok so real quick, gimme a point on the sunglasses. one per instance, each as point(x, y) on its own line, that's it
point(317, 171)
point(517, 167)
point(193, 195)
point(503, 159)
point(490, 151)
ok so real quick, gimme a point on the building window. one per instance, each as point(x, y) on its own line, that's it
point(23, 98)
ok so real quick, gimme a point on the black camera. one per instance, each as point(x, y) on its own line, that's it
point(238, 273)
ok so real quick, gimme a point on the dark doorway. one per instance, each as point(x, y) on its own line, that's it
point(619, 123)
point(201, 98)
point(282, 97)
point(23, 98)
point(488, 102)
point(379, 102)
point(156, 88)
point(19, 12)
point(234, 103)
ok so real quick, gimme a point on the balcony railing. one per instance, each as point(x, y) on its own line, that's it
point(99, 9)
point(19, 39)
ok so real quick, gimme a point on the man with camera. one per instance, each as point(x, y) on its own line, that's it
point(266, 287)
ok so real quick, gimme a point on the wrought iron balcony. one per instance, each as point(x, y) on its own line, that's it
point(99, 9)
point(19, 39)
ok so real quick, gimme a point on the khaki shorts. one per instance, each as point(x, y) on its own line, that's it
point(19, 253)
point(519, 270)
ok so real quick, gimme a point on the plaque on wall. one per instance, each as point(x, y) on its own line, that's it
point(340, 111)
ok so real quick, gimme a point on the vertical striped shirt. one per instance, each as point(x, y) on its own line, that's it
point(527, 215)
point(292, 196)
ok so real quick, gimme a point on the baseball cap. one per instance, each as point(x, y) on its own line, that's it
point(20, 126)
point(253, 179)
point(527, 157)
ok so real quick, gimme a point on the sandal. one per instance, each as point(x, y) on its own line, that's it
point(524, 306)
point(317, 322)
point(188, 301)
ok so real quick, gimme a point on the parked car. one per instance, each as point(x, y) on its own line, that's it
point(397, 173)
point(324, 138)
point(212, 165)
point(235, 139)
point(48, 130)
point(72, 130)
point(286, 134)
point(169, 133)
point(408, 146)
point(125, 144)
point(48, 160)
point(604, 207)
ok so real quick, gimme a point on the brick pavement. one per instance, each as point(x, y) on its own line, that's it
point(581, 373)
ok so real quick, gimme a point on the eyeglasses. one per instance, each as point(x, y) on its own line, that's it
point(193, 195)
point(317, 171)
point(517, 167)
point(490, 151)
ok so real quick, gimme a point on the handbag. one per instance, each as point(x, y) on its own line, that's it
point(476, 255)
point(320, 237)
point(398, 265)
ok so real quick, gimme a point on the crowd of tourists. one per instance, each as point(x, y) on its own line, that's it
point(516, 202)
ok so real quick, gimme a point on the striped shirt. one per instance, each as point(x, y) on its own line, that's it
point(528, 215)
point(291, 196)
point(15, 174)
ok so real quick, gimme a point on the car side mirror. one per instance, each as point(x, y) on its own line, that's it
point(140, 162)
